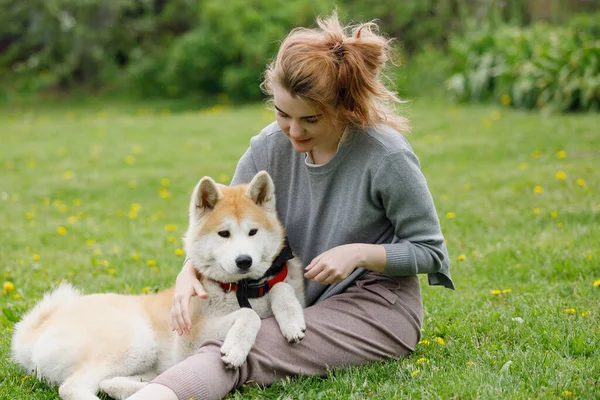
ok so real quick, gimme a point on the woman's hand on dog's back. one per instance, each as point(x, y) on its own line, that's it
point(186, 286)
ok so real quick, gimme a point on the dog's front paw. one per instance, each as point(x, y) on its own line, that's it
point(293, 331)
point(233, 356)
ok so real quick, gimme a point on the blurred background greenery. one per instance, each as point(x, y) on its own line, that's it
point(533, 54)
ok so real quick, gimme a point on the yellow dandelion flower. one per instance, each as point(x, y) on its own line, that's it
point(106, 263)
point(132, 184)
point(597, 283)
point(439, 340)
point(170, 227)
point(561, 154)
point(506, 291)
point(135, 256)
point(561, 175)
point(172, 239)
point(415, 372)
point(67, 174)
point(424, 341)
point(571, 311)
point(164, 182)
point(461, 257)
point(179, 252)
point(496, 292)
point(566, 393)
point(505, 100)
point(112, 271)
point(77, 202)
point(132, 215)
point(450, 215)
point(72, 219)
point(585, 314)
point(538, 189)
point(151, 263)
point(129, 160)
point(90, 242)
point(422, 361)
point(8, 287)
point(29, 215)
point(17, 296)
point(590, 257)
point(61, 230)
point(536, 211)
point(96, 252)
point(466, 186)
point(487, 123)
point(31, 164)
point(536, 154)
point(164, 194)
point(36, 257)
point(523, 165)
point(146, 289)
point(554, 214)
point(580, 182)
point(223, 178)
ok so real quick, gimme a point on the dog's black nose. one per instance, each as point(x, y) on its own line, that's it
point(243, 262)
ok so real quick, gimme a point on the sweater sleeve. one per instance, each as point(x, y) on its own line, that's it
point(418, 246)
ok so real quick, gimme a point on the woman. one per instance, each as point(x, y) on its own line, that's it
point(356, 208)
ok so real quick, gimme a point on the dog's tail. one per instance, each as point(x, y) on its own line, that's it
point(29, 328)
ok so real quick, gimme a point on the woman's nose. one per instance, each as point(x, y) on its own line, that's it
point(295, 129)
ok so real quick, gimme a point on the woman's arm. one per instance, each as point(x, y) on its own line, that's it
point(418, 247)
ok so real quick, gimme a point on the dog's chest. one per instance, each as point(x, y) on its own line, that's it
point(221, 303)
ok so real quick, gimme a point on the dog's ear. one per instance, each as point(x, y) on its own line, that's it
point(262, 191)
point(205, 197)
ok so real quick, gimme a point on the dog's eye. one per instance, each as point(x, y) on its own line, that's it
point(224, 234)
point(252, 232)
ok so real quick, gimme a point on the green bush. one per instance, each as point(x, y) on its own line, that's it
point(227, 52)
point(67, 43)
point(541, 67)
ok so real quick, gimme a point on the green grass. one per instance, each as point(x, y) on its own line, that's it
point(66, 166)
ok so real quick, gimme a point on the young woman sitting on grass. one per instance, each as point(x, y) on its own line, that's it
point(356, 208)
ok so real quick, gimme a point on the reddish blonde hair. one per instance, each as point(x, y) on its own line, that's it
point(338, 71)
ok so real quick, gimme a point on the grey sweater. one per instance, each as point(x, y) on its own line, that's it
point(371, 191)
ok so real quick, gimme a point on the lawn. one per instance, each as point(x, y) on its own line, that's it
point(97, 194)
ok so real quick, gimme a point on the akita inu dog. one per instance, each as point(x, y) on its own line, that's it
point(117, 343)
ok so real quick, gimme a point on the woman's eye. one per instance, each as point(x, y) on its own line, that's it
point(279, 114)
point(312, 121)
point(224, 234)
point(252, 232)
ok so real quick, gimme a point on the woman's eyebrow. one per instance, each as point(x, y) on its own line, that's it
point(307, 117)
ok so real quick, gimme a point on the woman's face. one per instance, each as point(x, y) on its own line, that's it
point(304, 125)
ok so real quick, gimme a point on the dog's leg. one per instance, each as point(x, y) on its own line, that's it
point(82, 385)
point(121, 388)
point(288, 312)
point(241, 326)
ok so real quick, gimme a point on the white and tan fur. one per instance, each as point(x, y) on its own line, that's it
point(117, 343)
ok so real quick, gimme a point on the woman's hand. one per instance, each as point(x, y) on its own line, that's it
point(186, 286)
point(335, 265)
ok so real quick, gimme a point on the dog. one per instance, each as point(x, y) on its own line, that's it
point(117, 343)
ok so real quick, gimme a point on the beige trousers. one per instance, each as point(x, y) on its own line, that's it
point(377, 318)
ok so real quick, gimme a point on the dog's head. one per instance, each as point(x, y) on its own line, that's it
point(234, 232)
